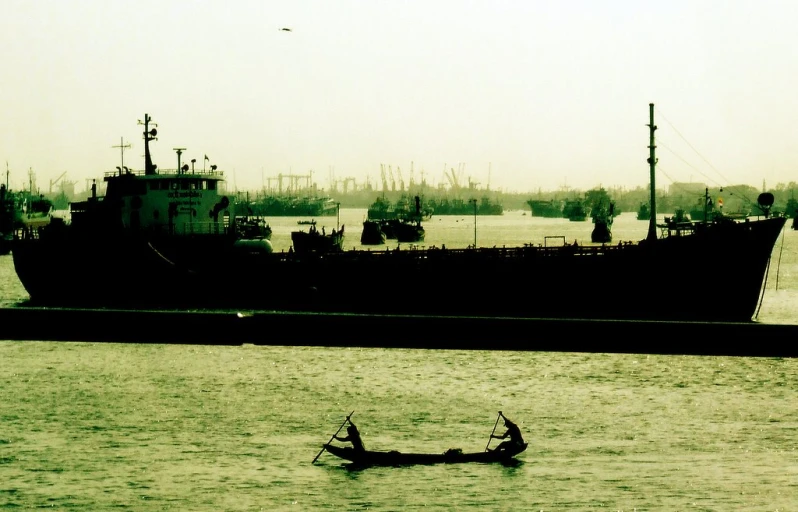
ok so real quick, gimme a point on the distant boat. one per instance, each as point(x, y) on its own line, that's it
point(575, 210)
point(21, 210)
point(383, 209)
point(551, 208)
point(458, 206)
point(289, 206)
point(603, 217)
point(404, 230)
point(317, 241)
point(643, 212)
point(372, 233)
point(791, 210)
point(406, 225)
point(252, 227)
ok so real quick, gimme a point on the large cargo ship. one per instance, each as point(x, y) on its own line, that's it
point(168, 239)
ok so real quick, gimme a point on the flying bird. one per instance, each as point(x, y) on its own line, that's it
point(284, 29)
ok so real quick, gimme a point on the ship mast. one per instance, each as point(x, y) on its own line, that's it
point(149, 167)
point(652, 163)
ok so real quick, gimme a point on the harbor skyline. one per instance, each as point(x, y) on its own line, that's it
point(512, 97)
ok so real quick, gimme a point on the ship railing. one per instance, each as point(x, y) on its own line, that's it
point(470, 254)
point(141, 172)
point(195, 228)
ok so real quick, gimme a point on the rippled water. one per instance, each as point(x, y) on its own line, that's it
point(93, 426)
point(154, 427)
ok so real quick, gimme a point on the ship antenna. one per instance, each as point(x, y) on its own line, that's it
point(652, 163)
point(122, 147)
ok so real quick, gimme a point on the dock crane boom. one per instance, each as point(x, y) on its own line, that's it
point(55, 181)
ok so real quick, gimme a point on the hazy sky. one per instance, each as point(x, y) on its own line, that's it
point(519, 95)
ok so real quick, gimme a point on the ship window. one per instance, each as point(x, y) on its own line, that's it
point(164, 184)
point(211, 185)
point(183, 184)
point(174, 185)
point(154, 185)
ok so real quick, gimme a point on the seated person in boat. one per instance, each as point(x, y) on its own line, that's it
point(352, 436)
point(513, 432)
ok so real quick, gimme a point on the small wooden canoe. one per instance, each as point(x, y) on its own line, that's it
point(395, 458)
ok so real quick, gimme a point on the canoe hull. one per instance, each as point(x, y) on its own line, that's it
point(396, 458)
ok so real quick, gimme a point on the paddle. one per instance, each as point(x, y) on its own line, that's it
point(494, 430)
point(336, 433)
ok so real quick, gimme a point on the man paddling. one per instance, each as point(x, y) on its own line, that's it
point(352, 436)
point(513, 432)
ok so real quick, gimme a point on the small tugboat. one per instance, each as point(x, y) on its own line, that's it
point(317, 241)
point(408, 228)
point(403, 230)
point(372, 233)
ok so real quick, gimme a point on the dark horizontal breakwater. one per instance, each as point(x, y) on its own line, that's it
point(398, 331)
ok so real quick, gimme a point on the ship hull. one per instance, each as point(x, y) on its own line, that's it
point(638, 279)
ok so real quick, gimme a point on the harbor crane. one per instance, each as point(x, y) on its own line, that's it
point(393, 181)
point(401, 179)
point(452, 177)
point(384, 179)
point(55, 181)
point(345, 183)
